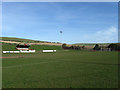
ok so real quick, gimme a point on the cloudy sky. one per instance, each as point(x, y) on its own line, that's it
point(80, 22)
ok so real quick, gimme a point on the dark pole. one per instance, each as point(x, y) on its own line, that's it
point(61, 37)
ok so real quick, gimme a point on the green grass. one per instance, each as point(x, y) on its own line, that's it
point(7, 47)
point(44, 47)
point(19, 39)
point(63, 69)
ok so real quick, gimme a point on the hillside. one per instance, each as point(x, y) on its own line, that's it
point(92, 44)
point(14, 40)
point(11, 47)
point(20, 39)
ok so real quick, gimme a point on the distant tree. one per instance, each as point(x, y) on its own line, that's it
point(72, 47)
point(83, 47)
point(113, 47)
point(96, 47)
point(64, 46)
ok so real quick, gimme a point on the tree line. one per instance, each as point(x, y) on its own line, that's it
point(112, 47)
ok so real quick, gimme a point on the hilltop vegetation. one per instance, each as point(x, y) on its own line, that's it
point(91, 44)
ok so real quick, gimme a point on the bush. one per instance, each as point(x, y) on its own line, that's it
point(96, 47)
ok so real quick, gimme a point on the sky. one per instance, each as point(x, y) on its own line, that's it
point(80, 22)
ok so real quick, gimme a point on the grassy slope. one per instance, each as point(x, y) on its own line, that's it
point(8, 47)
point(37, 41)
point(76, 69)
point(18, 39)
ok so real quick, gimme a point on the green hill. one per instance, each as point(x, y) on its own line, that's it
point(20, 40)
point(7, 47)
point(11, 46)
point(91, 44)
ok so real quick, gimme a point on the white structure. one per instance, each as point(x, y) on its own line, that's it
point(28, 51)
point(48, 50)
point(11, 51)
point(109, 49)
point(22, 49)
point(16, 51)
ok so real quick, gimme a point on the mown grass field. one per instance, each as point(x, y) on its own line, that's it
point(63, 69)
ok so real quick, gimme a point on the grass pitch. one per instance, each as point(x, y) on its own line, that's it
point(63, 69)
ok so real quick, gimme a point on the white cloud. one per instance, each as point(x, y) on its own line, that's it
point(104, 36)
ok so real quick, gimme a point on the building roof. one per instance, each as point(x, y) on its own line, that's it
point(22, 46)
